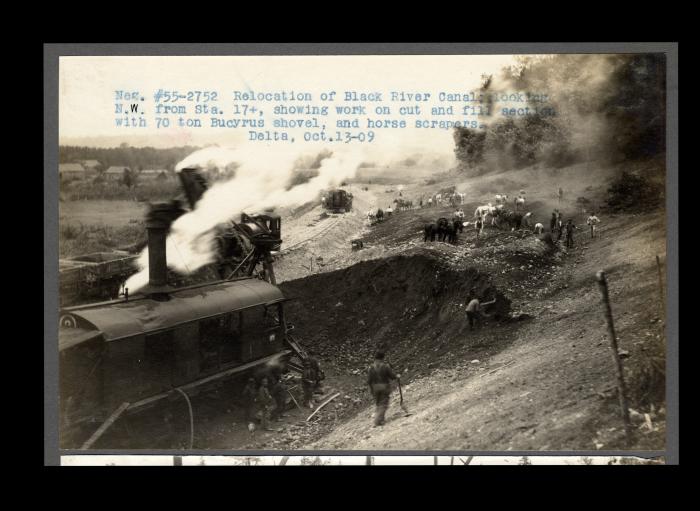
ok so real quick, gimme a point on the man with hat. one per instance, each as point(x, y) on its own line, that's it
point(379, 377)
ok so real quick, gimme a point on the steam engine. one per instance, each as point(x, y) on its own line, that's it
point(124, 355)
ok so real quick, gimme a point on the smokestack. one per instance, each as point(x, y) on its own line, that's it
point(158, 221)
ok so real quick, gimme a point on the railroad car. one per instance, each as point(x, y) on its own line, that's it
point(337, 201)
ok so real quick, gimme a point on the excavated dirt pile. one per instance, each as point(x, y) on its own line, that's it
point(403, 304)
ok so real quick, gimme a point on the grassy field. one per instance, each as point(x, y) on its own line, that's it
point(99, 225)
point(111, 213)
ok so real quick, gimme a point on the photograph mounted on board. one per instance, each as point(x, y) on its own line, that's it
point(405, 252)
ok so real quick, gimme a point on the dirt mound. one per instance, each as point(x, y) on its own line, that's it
point(403, 304)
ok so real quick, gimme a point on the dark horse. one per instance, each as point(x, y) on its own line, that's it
point(443, 226)
point(430, 230)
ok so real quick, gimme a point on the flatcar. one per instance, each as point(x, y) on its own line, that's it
point(122, 355)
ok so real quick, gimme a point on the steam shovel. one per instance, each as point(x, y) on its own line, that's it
point(403, 406)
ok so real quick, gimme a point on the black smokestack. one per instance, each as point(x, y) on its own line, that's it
point(158, 221)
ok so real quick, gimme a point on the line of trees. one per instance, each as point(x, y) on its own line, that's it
point(125, 155)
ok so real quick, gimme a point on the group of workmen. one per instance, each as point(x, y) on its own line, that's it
point(556, 225)
point(268, 393)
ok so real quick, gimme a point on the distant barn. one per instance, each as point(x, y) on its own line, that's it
point(71, 171)
point(92, 167)
point(114, 173)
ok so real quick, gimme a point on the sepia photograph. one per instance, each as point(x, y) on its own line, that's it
point(336, 253)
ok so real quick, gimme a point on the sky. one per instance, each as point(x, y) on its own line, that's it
point(87, 85)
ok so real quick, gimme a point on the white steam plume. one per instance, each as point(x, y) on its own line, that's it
point(259, 183)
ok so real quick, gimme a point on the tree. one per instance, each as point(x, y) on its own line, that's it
point(130, 179)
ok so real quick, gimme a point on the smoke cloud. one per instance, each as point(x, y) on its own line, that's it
point(261, 181)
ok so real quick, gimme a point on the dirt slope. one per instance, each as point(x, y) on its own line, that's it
point(537, 375)
point(551, 386)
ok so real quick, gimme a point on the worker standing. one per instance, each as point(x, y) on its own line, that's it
point(592, 221)
point(553, 222)
point(559, 224)
point(479, 224)
point(265, 402)
point(570, 233)
point(278, 392)
point(379, 377)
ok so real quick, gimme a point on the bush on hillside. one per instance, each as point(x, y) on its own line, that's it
point(631, 192)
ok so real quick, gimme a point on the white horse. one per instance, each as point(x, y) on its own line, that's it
point(501, 198)
point(482, 211)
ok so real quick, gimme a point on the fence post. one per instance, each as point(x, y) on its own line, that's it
point(622, 391)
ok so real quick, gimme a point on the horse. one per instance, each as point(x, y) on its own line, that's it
point(442, 228)
point(429, 231)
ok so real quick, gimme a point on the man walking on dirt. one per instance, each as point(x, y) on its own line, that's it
point(379, 377)
point(592, 221)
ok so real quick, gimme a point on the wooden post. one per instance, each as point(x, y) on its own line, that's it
point(662, 304)
point(622, 391)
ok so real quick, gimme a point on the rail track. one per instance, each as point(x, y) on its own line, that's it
point(323, 231)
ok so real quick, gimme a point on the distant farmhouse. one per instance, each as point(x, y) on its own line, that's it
point(71, 171)
point(91, 166)
point(114, 173)
point(153, 174)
